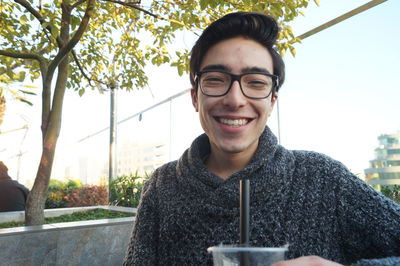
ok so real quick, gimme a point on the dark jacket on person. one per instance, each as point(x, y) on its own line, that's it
point(300, 198)
point(12, 195)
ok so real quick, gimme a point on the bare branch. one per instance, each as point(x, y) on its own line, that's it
point(80, 67)
point(13, 66)
point(31, 10)
point(21, 55)
point(76, 59)
point(36, 14)
point(59, 58)
point(137, 7)
point(42, 61)
point(128, 4)
point(77, 3)
point(74, 40)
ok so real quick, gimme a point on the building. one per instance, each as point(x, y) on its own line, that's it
point(385, 168)
point(141, 158)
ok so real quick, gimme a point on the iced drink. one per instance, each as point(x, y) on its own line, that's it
point(246, 256)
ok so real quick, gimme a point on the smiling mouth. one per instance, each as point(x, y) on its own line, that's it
point(233, 122)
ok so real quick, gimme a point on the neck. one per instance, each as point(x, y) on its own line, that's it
point(225, 164)
point(5, 177)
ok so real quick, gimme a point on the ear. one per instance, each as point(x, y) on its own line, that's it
point(194, 99)
point(274, 99)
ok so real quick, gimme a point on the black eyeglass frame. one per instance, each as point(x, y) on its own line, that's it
point(234, 77)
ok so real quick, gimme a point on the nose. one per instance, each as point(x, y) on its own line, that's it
point(234, 98)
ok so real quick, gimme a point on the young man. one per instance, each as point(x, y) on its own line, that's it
point(304, 199)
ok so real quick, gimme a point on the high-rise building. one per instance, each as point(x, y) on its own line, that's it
point(142, 158)
point(385, 168)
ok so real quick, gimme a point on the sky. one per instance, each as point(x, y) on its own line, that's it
point(341, 92)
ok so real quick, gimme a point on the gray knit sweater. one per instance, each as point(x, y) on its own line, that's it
point(304, 199)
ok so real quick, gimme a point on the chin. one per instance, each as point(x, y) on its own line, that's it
point(234, 148)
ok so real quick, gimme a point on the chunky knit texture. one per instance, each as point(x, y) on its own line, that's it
point(304, 199)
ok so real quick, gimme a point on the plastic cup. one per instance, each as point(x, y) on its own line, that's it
point(246, 256)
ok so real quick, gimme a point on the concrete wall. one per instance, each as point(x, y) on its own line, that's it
point(98, 242)
point(19, 216)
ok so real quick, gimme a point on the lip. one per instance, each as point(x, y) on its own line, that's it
point(229, 129)
point(233, 117)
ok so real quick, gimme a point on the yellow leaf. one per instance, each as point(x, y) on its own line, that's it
point(176, 21)
point(293, 51)
point(316, 2)
point(22, 20)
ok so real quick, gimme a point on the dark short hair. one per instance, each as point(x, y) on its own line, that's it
point(3, 171)
point(256, 26)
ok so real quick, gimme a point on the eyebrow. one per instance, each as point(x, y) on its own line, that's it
point(228, 69)
point(255, 69)
point(216, 67)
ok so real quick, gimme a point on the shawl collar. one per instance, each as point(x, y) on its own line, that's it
point(270, 168)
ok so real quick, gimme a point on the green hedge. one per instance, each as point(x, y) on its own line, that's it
point(58, 191)
point(126, 190)
point(73, 194)
point(76, 216)
point(87, 196)
point(392, 192)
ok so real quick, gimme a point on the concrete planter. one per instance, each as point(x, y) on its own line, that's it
point(97, 242)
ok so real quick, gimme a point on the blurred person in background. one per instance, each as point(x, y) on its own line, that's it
point(13, 195)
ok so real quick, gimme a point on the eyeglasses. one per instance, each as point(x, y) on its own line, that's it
point(255, 85)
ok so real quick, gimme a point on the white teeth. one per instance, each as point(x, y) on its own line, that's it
point(233, 122)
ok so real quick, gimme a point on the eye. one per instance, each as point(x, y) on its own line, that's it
point(214, 79)
point(257, 81)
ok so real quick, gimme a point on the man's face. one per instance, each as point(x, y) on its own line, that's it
point(234, 122)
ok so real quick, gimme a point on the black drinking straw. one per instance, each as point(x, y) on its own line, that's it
point(244, 211)
point(244, 219)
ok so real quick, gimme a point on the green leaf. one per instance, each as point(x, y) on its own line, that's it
point(27, 92)
point(21, 76)
point(30, 86)
point(203, 4)
point(81, 92)
point(45, 24)
point(10, 73)
point(23, 19)
point(24, 100)
point(75, 21)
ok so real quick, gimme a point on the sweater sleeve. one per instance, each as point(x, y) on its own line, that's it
point(142, 249)
point(369, 222)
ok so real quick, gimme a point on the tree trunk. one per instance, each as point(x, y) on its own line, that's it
point(51, 116)
point(34, 212)
point(2, 107)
